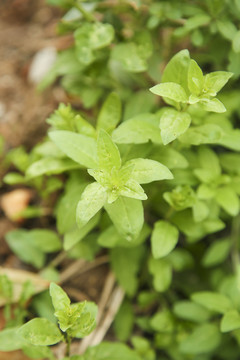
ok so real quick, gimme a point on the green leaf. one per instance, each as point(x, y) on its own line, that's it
point(138, 130)
point(127, 216)
point(110, 351)
point(85, 319)
point(217, 252)
point(195, 78)
point(204, 339)
point(72, 237)
point(126, 265)
point(213, 105)
point(110, 113)
point(90, 37)
point(228, 200)
point(146, 171)
point(108, 153)
point(215, 81)
point(130, 56)
point(162, 321)
point(212, 301)
point(177, 69)
point(45, 240)
point(18, 240)
point(10, 340)
point(162, 273)
point(60, 299)
point(124, 321)
point(133, 190)
point(200, 211)
point(236, 42)
point(92, 200)
point(190, 311)
point(170, 90)
point(173, 124)
point(164, 239)
point(79, 148)
point(169, 157)
point(230, 321)
point(49, 166)
point(226, 28)
point(203, 134)
point(40, 331)
point(38, 352)
point(209, 160)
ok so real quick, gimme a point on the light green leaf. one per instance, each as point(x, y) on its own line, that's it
point(177, 69)
point(110, 113)
point(162, 321)
point(200, 211)
point(195, 78)
point(126, 265)
point(49, 166)
point(226, 28)
point(228, 200)
point(190, 311)
point(204, 339)
point(40, 331)
point(72, 237)
point(170, 90)
point(213, 105)
point(162, 273)
point(108, 153)
point(215, 81)
point(79, 148)
point(45, 240)
point(60, 299)
point(38, 352)
point(133, 190)
point(203, 134)
point(169, 157)
point(209, 160)
point(146, 171)
point(110, 351)
point(230, 321)
point(127, 216)
point(173, 124)
point(236, 42)
point(138, 130)
point(212, 301)
point(164, 239)
point(130, 56)
point(18, 240)
point(217, 252)
point(92, 200)
point(10, 340)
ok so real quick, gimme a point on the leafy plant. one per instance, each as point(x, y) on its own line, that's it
point(153, 181)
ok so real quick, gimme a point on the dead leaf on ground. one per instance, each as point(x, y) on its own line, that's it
point(14, 202)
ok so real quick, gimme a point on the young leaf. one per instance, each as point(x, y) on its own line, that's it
point(214, 105)
point(10, 340)
point(215, 81)
point(164, 239)
point(212, 301)
point(228, 200)
point(195, 78)
point(92, 200)
point(230, 321)
point(79, 148)
point(173, 124)
point(127, 216)
point(108, 153)
point(129, 56)
point(40, 331)
point(170, 90)
point(146, 171)
point(133, 190)
point(49, 166)
point(110, 113)
point(138, 130)
point(60, 299)
point(216, 253)
point(177, 69)
point(204, 339)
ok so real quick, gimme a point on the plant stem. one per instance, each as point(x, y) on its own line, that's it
point(235, 232)
point(84, 13)
point(68, 342)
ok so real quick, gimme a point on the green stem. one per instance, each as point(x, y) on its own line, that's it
point(235, 233)
point(86, 15)
point(68, 342)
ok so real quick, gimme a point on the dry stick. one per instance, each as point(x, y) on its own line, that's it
point(81, 266)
